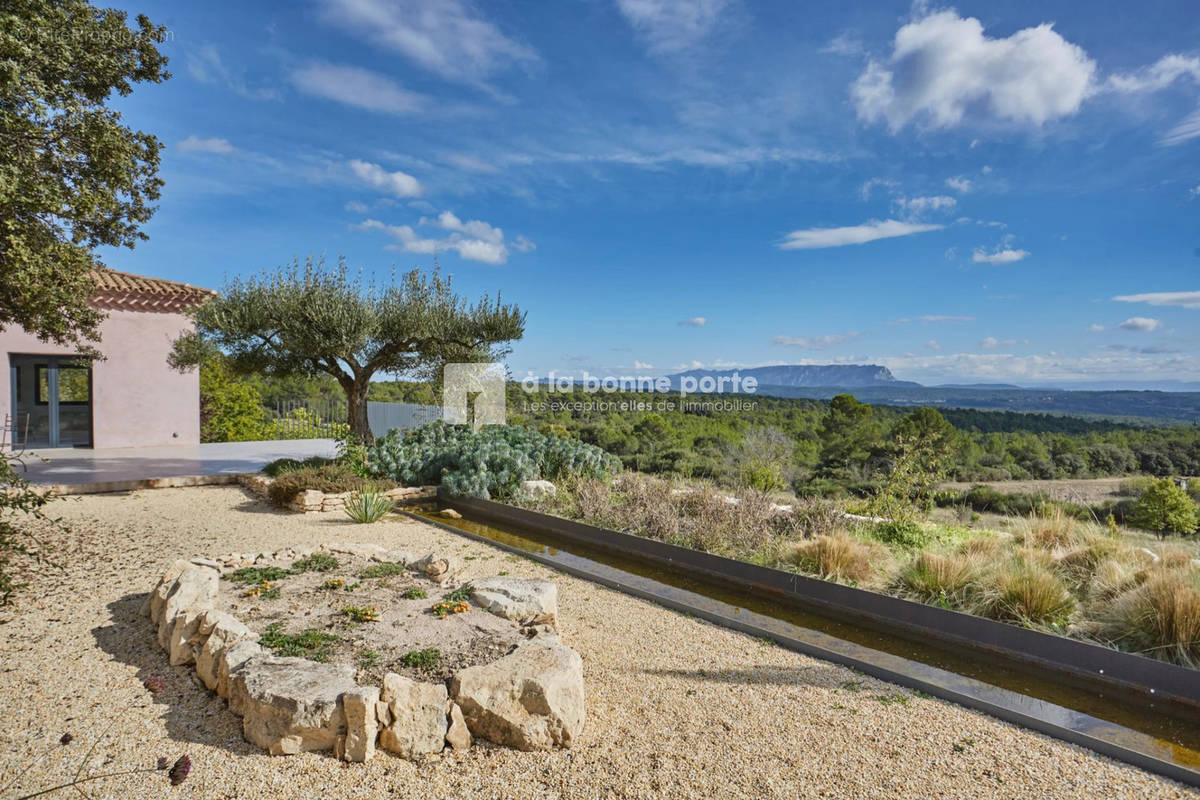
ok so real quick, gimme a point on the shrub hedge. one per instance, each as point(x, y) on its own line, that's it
point(488, 463)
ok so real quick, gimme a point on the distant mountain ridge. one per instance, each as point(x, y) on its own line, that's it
point(872, 383)
point(850, 376)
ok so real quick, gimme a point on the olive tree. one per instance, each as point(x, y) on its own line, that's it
point(313, 319)
point(72, 176)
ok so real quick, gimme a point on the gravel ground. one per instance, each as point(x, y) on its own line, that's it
point(677, 708)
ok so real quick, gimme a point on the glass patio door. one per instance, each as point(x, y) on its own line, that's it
point(55, 394)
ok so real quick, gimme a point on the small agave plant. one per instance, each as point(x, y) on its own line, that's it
point(368, 506)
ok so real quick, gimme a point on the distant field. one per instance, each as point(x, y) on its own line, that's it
point(1085, 491)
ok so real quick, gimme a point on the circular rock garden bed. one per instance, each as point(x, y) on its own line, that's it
point(347, 647)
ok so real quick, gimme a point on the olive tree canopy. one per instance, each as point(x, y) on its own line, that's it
point(312, 319)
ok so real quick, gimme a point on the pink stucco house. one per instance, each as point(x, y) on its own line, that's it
point(131, 398)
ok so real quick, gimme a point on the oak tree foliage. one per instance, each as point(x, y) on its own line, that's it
point(73, 177)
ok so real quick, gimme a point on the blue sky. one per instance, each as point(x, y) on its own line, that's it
point(977, 192)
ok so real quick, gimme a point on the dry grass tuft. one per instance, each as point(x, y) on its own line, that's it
point(943, 579)
point(1029, 594)
point(1049, 529)
point(838, 557)
point(984, 547)
point(1160, 618)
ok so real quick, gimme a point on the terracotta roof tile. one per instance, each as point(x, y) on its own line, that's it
point(138, 292)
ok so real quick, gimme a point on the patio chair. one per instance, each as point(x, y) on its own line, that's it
point(13, 437)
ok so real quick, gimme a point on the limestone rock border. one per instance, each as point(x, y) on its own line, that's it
point(312, 501)
point(529, 699)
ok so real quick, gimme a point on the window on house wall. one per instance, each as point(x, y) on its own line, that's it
point(74, 384)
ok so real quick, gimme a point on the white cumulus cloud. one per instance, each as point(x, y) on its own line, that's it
point(1140, 324)
point(672, 25)
point(816, 342)
point(1157, 76)
point(813, 238)
point(960, 184)
point(474, 240)
point(1181, 299)
point(1005, 256)
point(447, 37)
point(398, 183)
point(356, 87)
point(197, 144)
point(943, 65)
point(923, 205)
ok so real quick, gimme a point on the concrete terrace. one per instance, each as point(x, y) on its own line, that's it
point(118, 469)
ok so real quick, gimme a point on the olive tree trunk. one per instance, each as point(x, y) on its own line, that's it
point(356, 397)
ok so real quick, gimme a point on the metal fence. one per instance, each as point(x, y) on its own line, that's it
point(326, 419)
point(384, 417)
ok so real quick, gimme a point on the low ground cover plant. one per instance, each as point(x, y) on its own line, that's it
point(317, 562)
point(382, 569)
point(312, 644)
point(488, 463)
point(426, 658)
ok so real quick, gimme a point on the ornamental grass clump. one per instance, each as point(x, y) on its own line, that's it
point(1029, 594)
point(838, 557)
point(1160, 618)
point(368, 506)
point(947, 580)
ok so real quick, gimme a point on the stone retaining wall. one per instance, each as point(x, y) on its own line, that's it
point(312, 501)
point(530, 699)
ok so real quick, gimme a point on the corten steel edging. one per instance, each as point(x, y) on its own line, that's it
point(1002, 703)
point(1088, 665)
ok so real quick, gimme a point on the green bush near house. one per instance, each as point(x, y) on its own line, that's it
point(282, 466)
point(488, 463)
point(329, 478)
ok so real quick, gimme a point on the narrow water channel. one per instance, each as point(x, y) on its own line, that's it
point(1141, 726)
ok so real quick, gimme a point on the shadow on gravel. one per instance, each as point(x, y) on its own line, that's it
point(826, 676)
point(192, 713)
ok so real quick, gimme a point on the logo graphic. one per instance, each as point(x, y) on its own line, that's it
point(473, 393)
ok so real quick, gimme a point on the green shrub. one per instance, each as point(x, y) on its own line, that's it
point(328, 478)
point(368, 506)
point(281, 466)
point(248, 575)
point(317, 562)
point(487, 463)
point(426, 659)
point(414, 593)
point(21, 506)
point(901, 533)
point(382, 570)
point(312, 644)
point(1165, 508)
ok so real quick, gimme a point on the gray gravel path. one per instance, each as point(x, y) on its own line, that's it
point(677, 708)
